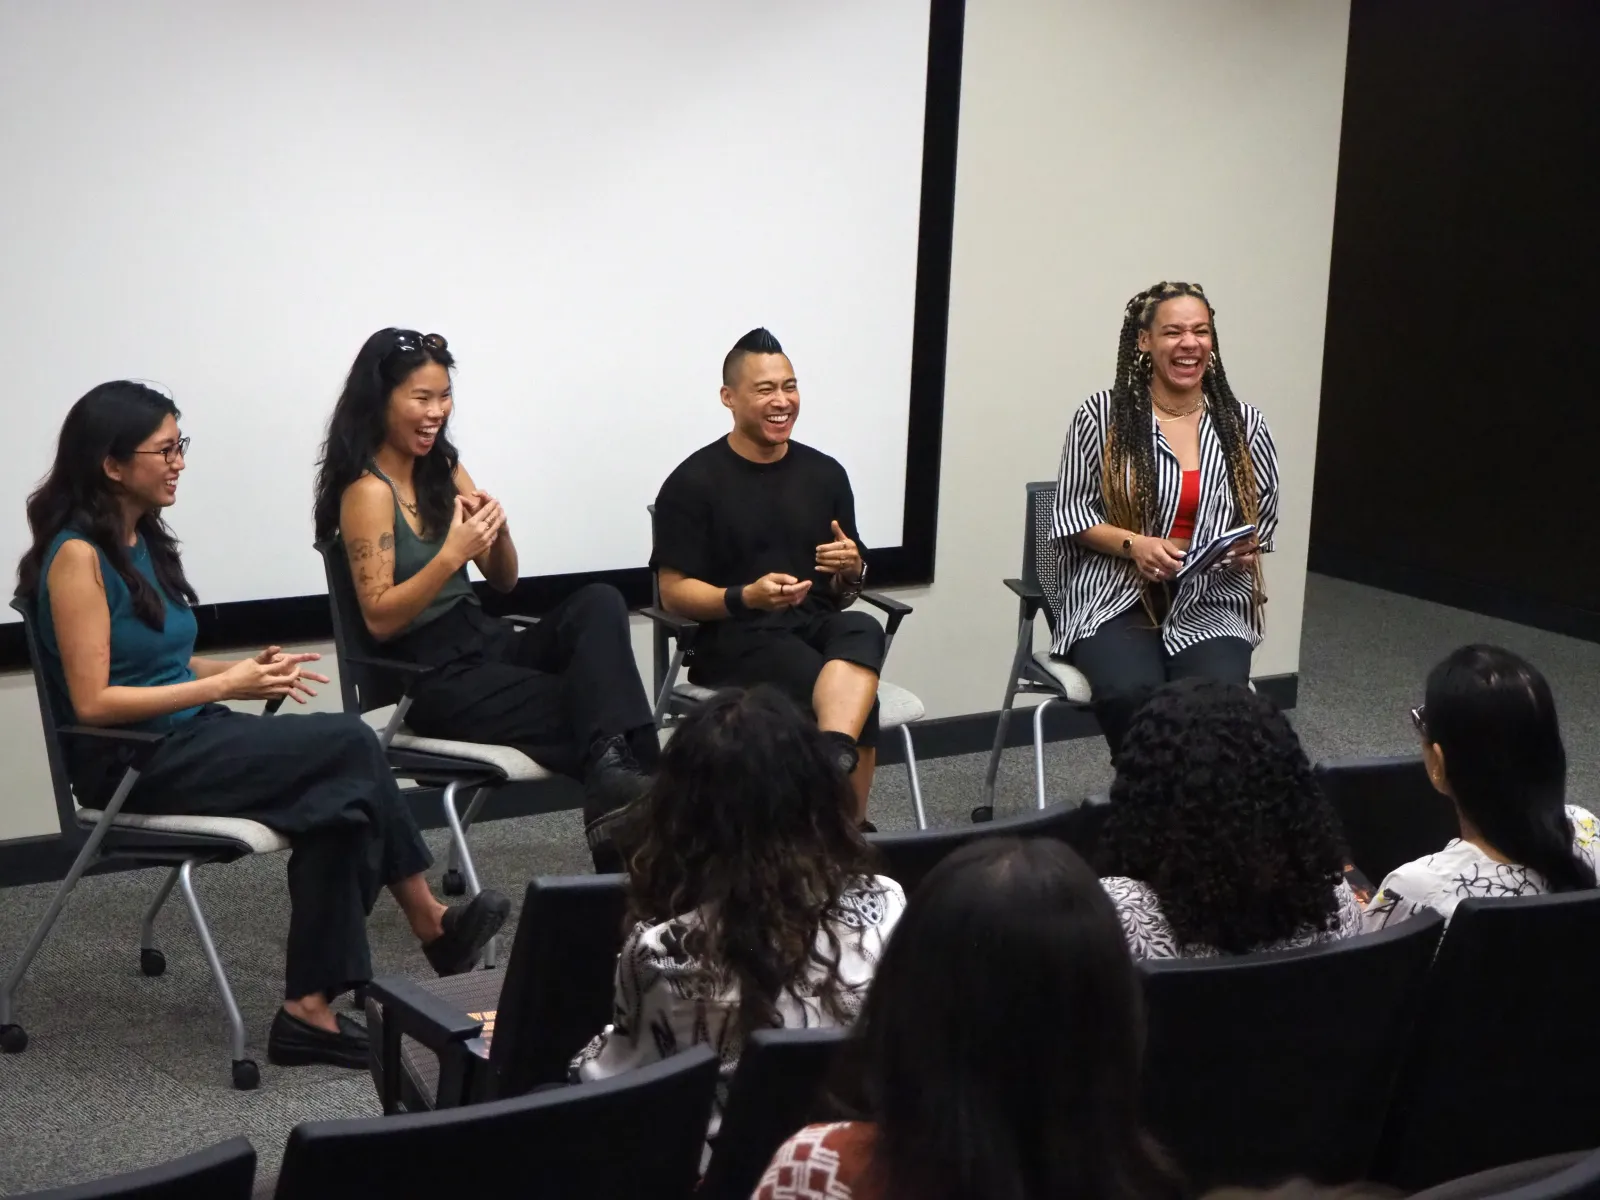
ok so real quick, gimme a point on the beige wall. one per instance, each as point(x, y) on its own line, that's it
point(1104, 145)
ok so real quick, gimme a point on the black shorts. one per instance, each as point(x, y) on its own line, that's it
point(790, 657)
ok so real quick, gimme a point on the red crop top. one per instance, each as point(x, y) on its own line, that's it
point(1188, 507)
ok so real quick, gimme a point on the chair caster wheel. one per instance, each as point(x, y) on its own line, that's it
point(453, 884)
point(246, 1075)
point(13, 1039)
point(152, 963)
point(982, 814)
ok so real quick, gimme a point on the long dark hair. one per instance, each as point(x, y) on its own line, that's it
point(1002, 1038)
point(358, 426)
point(108, 421)
point(747, 820)
point(1492, 715)
point(1215, 807)
point(1128, 471)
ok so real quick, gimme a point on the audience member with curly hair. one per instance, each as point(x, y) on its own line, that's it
point(752, 894)
point(1492, 744)
point(1218, 840)
point(999, 1051)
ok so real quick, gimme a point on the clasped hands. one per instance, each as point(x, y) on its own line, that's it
point(840, 558)
point(474, 525)
point(1161, 558)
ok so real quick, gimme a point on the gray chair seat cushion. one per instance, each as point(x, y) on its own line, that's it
point(1072, 682)
point(516, 766)
point(896, 706)
point(252, 835)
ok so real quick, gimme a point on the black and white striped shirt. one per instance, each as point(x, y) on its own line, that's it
point(1096, 587)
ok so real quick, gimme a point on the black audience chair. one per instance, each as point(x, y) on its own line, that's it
point(1390, 812)
point(638, 1135)
point(1574, 1176)
point(372, 682)
point(180, 843)
point(1504, 1064)
point(225, 1171)
point(908, 857)
point(1267, 1066)
point(1033, 672)
point(777, 1090)
point(487, 1035)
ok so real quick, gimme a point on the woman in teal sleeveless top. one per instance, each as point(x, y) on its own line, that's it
point(116, 626)
point(566, 692)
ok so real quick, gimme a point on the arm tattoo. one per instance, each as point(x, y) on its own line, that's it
point(386, 541)
point(373, 566)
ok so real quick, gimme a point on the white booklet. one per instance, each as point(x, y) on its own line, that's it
point(1212, 552)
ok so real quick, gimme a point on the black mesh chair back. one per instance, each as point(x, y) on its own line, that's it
point(560, 981)
point(225, 1171)
point(362, 689)
point(1390, 812)
point(1267, 1066)
point(1503, 1065)
point(909, 857)
point(1040, 567)
point(777, 1090)
point(54, 711)
point(1554, 1177)
point(635, 1137)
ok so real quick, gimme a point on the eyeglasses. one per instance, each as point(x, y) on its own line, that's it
point(1419, 719)
point(178, 449)
point(409, 341)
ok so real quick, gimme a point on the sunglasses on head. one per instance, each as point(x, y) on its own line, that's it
point(409, 341)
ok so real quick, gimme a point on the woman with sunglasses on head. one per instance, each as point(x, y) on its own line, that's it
point(114, 612)
point(393, 487)
point(1492, 744)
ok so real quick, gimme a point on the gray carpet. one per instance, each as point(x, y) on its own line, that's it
point(124, 1071)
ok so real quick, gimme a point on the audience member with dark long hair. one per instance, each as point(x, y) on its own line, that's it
point(1492, 744)
point(751, 890)
point(393, 487)
point(1218, 839)
point(116, 624)
point(1000, 1048)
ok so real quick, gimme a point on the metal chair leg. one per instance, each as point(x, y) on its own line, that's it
point(86, 855)
point(1003, 722)
point(202, 931)
point(147, 928)
point(1038, 748)
point(668, 682)
point(461, 857)
point(911, 778)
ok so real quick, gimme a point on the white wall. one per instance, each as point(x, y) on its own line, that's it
point(1104, 146)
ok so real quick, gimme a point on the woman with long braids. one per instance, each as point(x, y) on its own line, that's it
point(1167, 458)
point(115, 614)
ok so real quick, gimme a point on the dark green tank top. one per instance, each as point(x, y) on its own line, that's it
point(412, 553)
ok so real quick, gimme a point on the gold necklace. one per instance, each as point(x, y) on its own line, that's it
point(1176, 416)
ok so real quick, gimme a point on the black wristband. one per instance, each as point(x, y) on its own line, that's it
point(734, 599)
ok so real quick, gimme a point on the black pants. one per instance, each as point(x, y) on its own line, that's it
point(1125, 661)
point(550, 690)
point(322, 781)
point(790, 658)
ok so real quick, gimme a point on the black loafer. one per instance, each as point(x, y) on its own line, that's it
point(294, 1043)
point(467, 930)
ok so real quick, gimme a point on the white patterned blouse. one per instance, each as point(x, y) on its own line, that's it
point(1149, 935)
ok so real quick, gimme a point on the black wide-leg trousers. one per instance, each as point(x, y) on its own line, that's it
point(322, 781)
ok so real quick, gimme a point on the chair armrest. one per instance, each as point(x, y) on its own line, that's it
point(397, 666)
point(521, 620)
point(139, 736)
point(418, 1013)
point(1031, 595)
point(681, 628)
point(895, 610)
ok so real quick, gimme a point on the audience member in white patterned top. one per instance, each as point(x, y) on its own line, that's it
point(1492, 743)
point(1218, 840)
point(753, 894)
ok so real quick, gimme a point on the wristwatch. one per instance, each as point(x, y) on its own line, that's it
point(848, 587)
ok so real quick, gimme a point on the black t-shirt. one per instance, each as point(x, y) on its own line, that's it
point(725, 520)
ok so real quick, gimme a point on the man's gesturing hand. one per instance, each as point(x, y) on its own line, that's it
point(776, 591)
point(841, 557)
